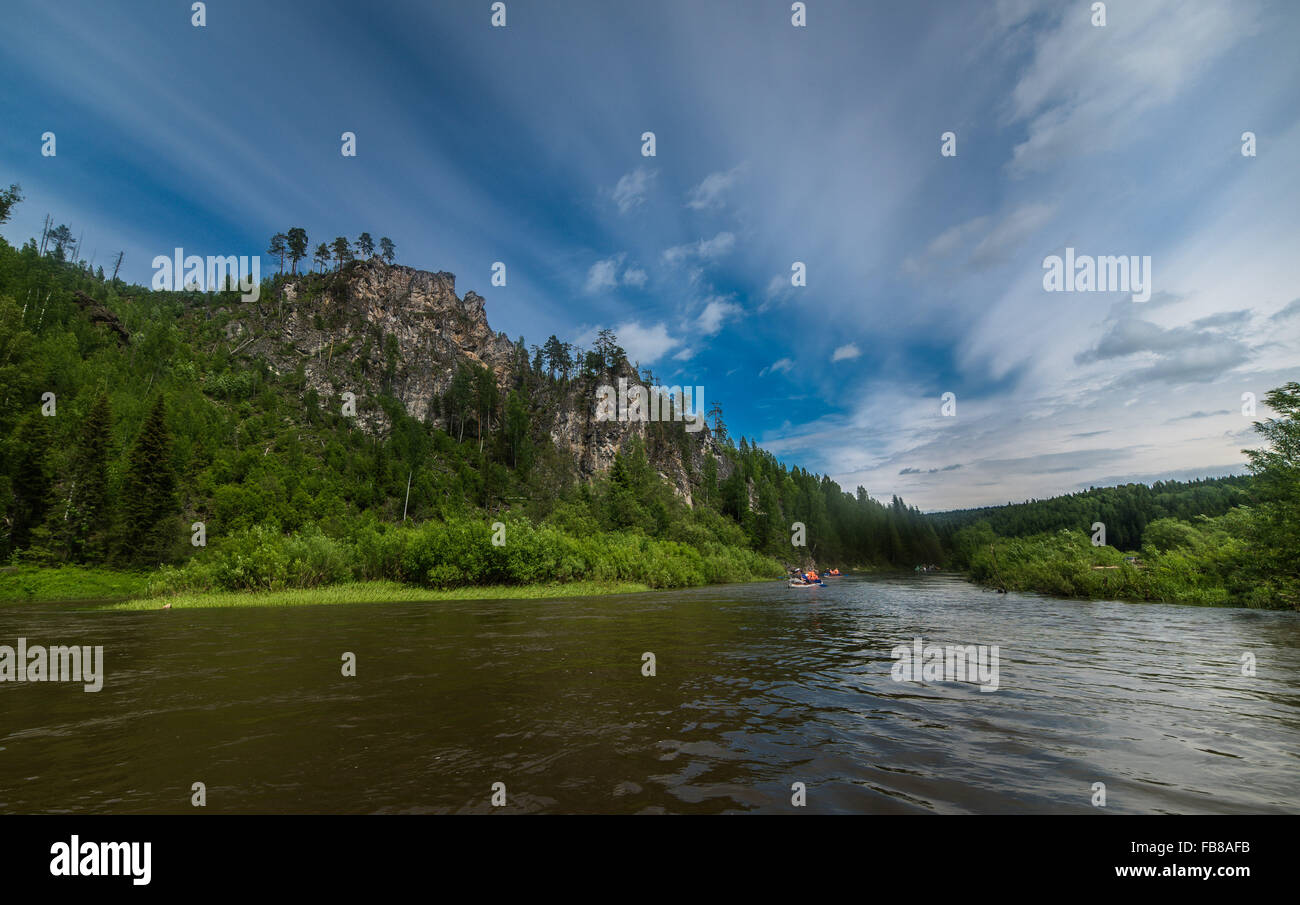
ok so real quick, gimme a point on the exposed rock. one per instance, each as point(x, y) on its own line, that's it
point(100, 315)
point(377, 326)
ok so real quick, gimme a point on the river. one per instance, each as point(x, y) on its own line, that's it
point(756, 687)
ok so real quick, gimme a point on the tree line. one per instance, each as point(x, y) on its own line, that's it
point(293, 245)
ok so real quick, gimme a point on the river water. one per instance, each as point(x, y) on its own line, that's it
point(757, 687)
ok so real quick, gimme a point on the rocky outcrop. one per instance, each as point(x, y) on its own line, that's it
point(375, 327)
point(98, 314)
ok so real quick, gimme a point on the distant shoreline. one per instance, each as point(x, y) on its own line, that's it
point(109, 590)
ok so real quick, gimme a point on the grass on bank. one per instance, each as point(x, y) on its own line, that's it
point(37, 583)
point(375, 592)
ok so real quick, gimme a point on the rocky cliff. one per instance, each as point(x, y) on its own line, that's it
point(375, 329)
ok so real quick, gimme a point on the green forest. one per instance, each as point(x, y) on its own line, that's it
point(141, 453)
point(1216, 541)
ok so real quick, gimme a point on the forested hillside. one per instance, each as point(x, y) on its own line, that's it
point(1125, 510)
point(133, 415)
point(361, 420)
point(1221, 541)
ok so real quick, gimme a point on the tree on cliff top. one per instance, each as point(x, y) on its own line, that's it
point(342, 251)
point(297, 241)
point(278, 248)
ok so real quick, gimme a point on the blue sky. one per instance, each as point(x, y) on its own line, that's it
point(775, 144)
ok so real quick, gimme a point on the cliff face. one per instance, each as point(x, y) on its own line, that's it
point(678, 455)
point(375, 328)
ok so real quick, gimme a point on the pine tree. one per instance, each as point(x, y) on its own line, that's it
point(149, 493)
point(342, 251)
point(88, 509)
point(32, 479)
point(296, 242)
point(517, 426)
point(279, 248)
point(486, 397)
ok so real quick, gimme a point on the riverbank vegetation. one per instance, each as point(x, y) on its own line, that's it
point(34, 583)
point(1236, 544)
point(1205, 561)
point(373, 592)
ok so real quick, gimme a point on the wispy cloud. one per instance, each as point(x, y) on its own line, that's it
point(708, 195)
point(703, 250)
point(631, 190)
point(1072, 106)
point(780, 366)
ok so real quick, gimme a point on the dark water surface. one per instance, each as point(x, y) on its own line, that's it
point(758, 687)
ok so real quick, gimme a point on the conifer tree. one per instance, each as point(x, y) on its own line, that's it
point(88, 500)
point(149, 493)
point(32, 479)
point(342, 251)
point(278, 248)
point(296, 241)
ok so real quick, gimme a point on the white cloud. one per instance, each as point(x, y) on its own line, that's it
point(645, 344)
point(685, 355)
point(632, 188)
point(715, 313)
point(844, 352)
point(708, 194)
point(603, 274)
